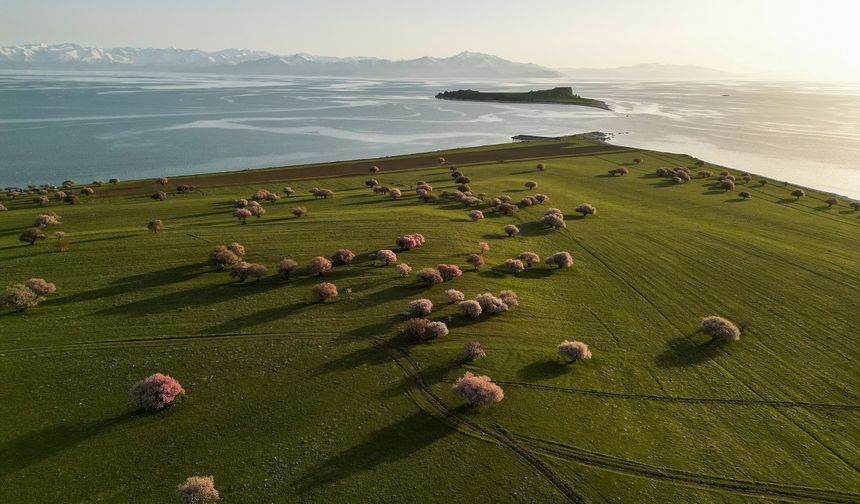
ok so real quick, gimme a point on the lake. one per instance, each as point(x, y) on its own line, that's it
point(97, 125)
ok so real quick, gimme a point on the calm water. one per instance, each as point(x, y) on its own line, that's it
point(88, 126)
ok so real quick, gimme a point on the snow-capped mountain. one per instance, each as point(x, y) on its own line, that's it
point(235, 61)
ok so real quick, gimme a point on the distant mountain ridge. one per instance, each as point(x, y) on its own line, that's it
point(236, 61)
point(649, 71)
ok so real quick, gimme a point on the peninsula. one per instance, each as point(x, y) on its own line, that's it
point(560, 95)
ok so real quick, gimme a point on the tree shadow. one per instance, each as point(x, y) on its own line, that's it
point(38, 445)
point(734, 200)
point(135, 283)
point(822, 208)
point(389, 444)
point(684, 351)
point(256, 318)
point(543, 370)
point(714, 191)
point(430, 376)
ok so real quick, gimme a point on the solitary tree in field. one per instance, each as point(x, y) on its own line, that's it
point(510, 298)
point(286, 267)
point(394, 193)
point(19, 297)
point(483, 247)
point(573, 350)
point(242, 214)
point(374, 169)
point(429, 276)
point(156, 392)
point(47, 219)
point(490, 303)
point(585, 209)
point(114, 181)
point(32, 235)
point(449, 271)
point(473, 351)
point(403, 269)
point(541, 167)
point(436, 330)
point(719, 328)
point(163, 180)
point(744, 194)
point(342, 256)
point(441, 160)
point(513, 265)
point(476, 215)
point(831, 201)
point(420, 307)
point(478, 390)
point(416, 328)
point(798, 193)
point(531, 184)
point(222, 257)
point(197, 490)
point(319, 265)
point(384, 255)
point(454, 295)
point(529, 259)
point(560, 260)
point(410, 241)
point(155, 225)
point(541, 198)
point(289, 191)
point(371, 182)
point(553, 219)
point(159, 196)
point(475, 261)
point(323, 291)
point(511, 230)
point(299, 211)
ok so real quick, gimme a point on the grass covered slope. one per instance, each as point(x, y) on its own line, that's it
point(291, 400)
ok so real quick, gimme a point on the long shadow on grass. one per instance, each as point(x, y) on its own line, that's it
point(684, 351)
point(543, 370)
point(198, 296)
point(136, 283)
point(257, 318)
point(389, 444)
point(430, 375)
point(38, 445)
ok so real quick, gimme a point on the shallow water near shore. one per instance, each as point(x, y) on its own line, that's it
point(88, 126)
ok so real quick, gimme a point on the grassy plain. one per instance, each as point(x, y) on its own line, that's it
point(289, 401)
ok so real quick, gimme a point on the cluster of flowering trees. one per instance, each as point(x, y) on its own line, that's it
point(27, 295)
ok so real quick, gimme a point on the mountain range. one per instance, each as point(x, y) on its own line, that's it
point(235, 61)
point(246, 62)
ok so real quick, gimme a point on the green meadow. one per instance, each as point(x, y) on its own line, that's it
point(293, 401)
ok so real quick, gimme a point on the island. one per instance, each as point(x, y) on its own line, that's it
point(560, 95)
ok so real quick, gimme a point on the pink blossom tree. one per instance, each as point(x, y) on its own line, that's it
point(436, 329)
point(560, 260)
point(473, 350)
point(531, 184)
point(478, 390)
point(470, 308)
point(197, 490)
point(476, 215)
point(483, 247)
point(40, 286)
point(511, 230)
point(573, 350)
point(286, 267)
point(384, 255)
point(420, 307)
point(222, 257)
point(403, 269)
point(342, 256)
point(158, 196)
point(586, 209)
point(155, 225)
point(323, 291)
point(156, 392)
point(529, 259)
point(19, 298)
point(242, 214)
point(299, 211)
point(454, 295)
point(429, 276)
point(319, 265)
point(449, 271)
point(475, 260)
point(490, 303)
point(719, 328)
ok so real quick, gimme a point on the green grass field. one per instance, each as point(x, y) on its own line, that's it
point(290, 401)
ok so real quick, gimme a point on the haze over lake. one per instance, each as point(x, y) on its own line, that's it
point(87, 126)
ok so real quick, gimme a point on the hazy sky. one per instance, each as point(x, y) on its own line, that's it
point(807, 39)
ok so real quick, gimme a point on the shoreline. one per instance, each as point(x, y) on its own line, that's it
point(588, 143)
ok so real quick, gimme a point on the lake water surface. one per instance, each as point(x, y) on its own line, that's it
point(88, 126)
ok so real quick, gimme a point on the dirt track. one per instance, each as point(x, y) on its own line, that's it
point(283, 174)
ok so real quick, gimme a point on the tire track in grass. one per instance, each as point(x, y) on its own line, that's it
point(526, 447)
point(705, 481)
point(435, 406)
point(678, 400)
